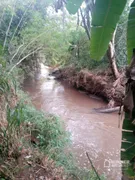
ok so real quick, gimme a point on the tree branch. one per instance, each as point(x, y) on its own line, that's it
point(4, 44)
point(85, 26)
point(16, 52)
point(111, 57)
point(92, 165)
point(2, 16)
point(23, 59)
point(20, 23)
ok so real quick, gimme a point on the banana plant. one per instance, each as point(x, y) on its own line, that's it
point(106, 14)
point(105, 17)
point(131, 31)
point(128, 130)
point(73, 5)
point(104, 21)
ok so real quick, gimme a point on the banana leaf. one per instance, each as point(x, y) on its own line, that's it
point(131, 32)
point(128, 145)
point(105, 17)
point(73, 5)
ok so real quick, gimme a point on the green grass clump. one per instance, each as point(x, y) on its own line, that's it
point(48, 129)
point(53, 141)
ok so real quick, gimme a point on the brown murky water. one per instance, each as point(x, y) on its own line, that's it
point(95, 133)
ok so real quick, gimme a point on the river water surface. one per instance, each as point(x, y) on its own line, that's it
point(95, 133)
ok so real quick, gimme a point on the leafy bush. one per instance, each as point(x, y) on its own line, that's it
point(53, 141)
point(80, 52)
point(47, 128)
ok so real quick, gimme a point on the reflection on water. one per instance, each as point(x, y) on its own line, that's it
point(97, 134)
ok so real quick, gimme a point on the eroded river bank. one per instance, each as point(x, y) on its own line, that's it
point(95, 133)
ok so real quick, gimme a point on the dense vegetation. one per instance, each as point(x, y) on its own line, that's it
point(37, 31)
point(32, 32)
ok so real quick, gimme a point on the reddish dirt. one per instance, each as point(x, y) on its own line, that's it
point(39, 170)
point(30, 164)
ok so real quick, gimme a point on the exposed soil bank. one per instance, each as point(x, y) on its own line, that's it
point(18, 158)
point(100, 83)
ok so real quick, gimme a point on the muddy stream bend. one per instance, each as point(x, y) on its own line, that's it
point(95, 133)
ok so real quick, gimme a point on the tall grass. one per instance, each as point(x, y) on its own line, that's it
point(26, 127)
point(50, 138)
point(53, 140)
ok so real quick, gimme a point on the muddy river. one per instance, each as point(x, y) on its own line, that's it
point(95, 133)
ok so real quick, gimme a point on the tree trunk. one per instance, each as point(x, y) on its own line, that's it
point(112, 60)
point(113, 65)
point(111, 57)
point(84, 23)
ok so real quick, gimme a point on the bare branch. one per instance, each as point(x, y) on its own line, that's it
point(92, 165)
point(23, 59)
point(2, 16)
point(32, 42)
point(16, 52)
point(19, 23)
point(111, 57)
point(4, 44)
point(85, 26)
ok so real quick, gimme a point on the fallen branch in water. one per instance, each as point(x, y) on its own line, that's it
point(92, 166)
point(107, 110)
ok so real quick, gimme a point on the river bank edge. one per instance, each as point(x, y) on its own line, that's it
point(32, 142)
point(101, 83)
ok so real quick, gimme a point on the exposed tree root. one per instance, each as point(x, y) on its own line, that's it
point(98, 83)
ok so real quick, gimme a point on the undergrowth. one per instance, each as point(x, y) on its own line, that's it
point(27, 132)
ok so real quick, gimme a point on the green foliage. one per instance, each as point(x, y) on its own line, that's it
point(49, 37)
point(15, 118)
point(48, 129)
point(4, 82)
point(12, 118)
point(14, 19)
point(130, 32)
point(105, 16)
point(44, 33)
point(121, 38)
point(128, 145)
point(51, 136)
point(10, 84)
point(4, 86)
point(120, 45)
point(24, 27)
point(80, 54)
